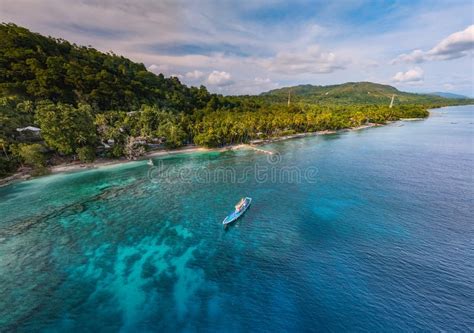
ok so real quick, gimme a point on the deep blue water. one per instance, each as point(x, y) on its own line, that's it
point(379, 236)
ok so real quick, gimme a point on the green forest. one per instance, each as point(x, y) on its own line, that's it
point(89, 103)
point(351, 93)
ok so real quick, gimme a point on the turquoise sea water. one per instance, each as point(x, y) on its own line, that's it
point(379, 236)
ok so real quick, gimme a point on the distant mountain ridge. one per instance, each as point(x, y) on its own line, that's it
point(351, 93)
point(448, 95)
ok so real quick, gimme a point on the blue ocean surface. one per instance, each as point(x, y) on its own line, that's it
point(370, 230)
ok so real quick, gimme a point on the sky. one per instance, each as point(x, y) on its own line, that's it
point(247, 47)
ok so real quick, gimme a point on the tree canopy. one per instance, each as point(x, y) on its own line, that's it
point(66, 128)
point(36, 68)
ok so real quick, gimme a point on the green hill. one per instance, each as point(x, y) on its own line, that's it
point(35, 67)
point(351, 93)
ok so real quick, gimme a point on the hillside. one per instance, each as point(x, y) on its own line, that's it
point(35, 67)
point(352, 93)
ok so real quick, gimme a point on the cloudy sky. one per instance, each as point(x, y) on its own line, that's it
point(246, 47)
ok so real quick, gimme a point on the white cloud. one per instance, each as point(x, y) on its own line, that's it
point(157, 69)
point(312, 60)
point(219, 78)
point(194, 75)
point(456, 45)
point(415, 56)
point(414, 75)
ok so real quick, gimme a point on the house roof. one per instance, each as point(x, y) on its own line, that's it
point(28, 128)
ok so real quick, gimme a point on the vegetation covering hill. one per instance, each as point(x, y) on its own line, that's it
point(44, 68)
point(87, 104)
point(351, 93)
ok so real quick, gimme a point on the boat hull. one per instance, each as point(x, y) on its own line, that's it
point(234, 216)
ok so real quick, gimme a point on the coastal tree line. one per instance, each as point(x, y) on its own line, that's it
point(82, 132)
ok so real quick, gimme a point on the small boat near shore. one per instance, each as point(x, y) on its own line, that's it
point(240, 209)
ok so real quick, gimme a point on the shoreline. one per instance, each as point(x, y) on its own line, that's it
point(103, 162)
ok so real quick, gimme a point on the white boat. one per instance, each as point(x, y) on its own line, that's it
point(240, 209)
